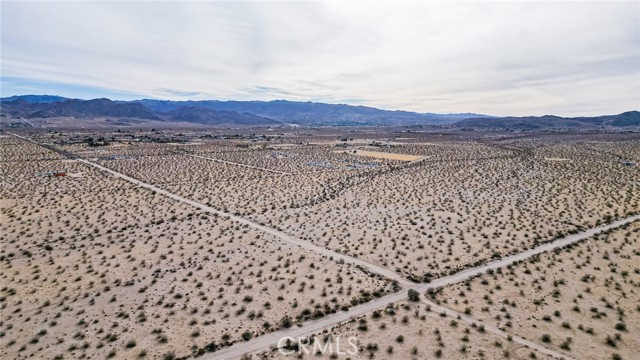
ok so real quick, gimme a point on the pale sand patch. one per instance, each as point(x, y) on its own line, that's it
point(429, 144)
point(556, 159)
point(415, 143)
point(382, 155)
point(7, 203)
point(283, 145)
point(359, 142)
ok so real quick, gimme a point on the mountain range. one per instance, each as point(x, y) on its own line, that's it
point(626, 119)
point(280, 112)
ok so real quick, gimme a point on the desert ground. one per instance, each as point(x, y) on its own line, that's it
point(582, 300)
point(409, 330)
point(579, 301)
point(167, 244)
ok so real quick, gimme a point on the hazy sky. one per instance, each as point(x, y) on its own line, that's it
point(502, 58)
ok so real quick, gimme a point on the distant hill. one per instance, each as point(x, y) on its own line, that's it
point(206, 116)
point(95, 108)
point(32, 99)
point(228, 112)
point(266, 113)
point(34, 107)
point(626, 119)
point(312, 113)
point(74, 108)
point(18, 108)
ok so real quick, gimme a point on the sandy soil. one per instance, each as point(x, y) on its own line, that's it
point(409, 330)
point(583, 298)
point(90, 264)
point(95, 266)
point(383, 155)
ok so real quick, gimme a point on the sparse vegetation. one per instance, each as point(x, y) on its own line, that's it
point(92, 264)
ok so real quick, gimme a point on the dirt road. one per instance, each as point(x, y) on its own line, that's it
point(438, 309)
point(312, 327)
point(326, 323)
point(335, 256)
point(567, 240)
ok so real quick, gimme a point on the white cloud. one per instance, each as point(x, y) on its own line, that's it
point(499, 58)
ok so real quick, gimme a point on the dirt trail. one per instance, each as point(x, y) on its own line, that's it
point(335, 256)
point(439, 309)
point(314, 326)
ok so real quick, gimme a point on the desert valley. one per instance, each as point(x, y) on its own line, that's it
point(217, 243)
point(344, 180)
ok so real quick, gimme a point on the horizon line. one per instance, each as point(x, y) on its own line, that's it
point(318, 102)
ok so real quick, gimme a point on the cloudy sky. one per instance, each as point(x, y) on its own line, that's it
point(501, 58)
